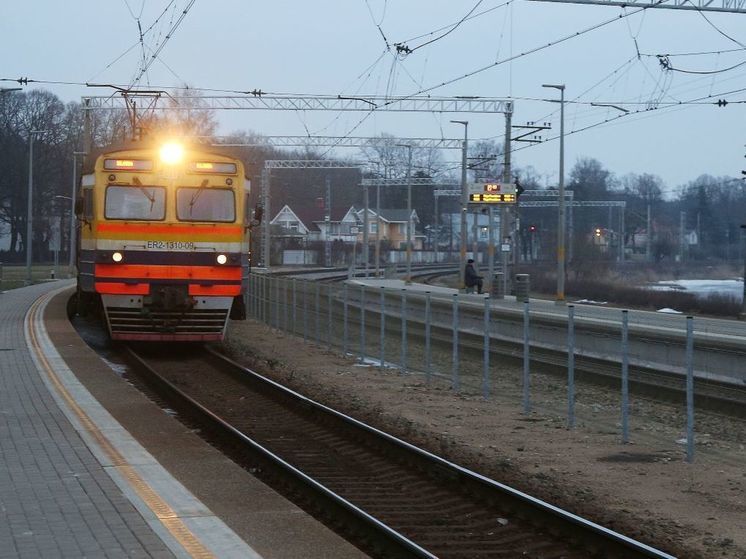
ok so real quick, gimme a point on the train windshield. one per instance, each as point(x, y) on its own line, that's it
point(205, 204)
point(147, 203)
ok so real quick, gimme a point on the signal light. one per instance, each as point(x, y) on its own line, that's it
point(532, 228)
point(598, 232)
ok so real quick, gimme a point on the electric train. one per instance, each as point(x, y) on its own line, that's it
point(163, 249)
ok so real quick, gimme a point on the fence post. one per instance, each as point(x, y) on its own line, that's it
point(427, 337)
point(486, 359)
point(305, 311)
point(570, 366)
point(455, 383)
point(625, 376)
point(383, 327)
point(277, 302)
point(286, 304)
point(329, 315)
point(689, 389)
point(345, 303)
point(526, 361)
point(318, 313)
point(295, 305)
point(403, 331)
point(362, 323)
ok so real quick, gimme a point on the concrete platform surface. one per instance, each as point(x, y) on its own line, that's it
point(89, 467)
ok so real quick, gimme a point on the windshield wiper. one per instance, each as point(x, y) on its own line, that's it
point(196, 195)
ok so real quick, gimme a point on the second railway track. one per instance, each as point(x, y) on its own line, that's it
point(402, 501)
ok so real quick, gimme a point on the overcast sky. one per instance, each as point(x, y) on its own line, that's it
point(340, 47)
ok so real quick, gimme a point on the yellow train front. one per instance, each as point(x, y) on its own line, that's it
point(164, 242)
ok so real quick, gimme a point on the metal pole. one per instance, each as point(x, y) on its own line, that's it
point(285, 305)
point(490, 250)
point(526, 361)
point(504, 225)
point(378, 230)
point(486, 358)
point(464, 197)
point(345, 303)
point(455, 383)
point(29, 213)
point(329, 316)
point(318, 313)
point(403, 330)
point(625, 376)
point(71, 260)
point(383, 328)
point(305, 311)
point(570, 366)
point(295, 305)
point(427, 337)
point(328, 219)
point(366, 226)
point(362, 323)
point(689, 389)
point(561, 202)
point(410, 223)
point(267, 218)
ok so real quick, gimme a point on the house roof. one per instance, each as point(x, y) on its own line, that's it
point(394, 215)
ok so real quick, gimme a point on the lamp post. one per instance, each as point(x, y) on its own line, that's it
point(464, 198)
point(29, 212)
point(409, 210)
point(561, 225)
point(72, 209)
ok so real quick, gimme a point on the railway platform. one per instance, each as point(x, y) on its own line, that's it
point(89, 467)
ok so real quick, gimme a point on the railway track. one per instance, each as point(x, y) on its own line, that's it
point(396, 499)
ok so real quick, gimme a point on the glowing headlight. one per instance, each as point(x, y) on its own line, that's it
point(117, 257)
point(172, 153)
point(222, 259)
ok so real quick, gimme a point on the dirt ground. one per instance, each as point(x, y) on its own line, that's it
point(644, 489)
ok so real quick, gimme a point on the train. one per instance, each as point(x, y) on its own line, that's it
point(163, 250)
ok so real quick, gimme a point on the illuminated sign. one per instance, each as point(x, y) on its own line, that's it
point(492, 198)
point(213, 167)
point(128, 165)
point(492, 193)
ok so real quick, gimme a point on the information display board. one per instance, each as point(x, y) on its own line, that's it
point(492, 193)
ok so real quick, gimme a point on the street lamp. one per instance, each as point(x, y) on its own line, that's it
point(464, 196)
point(561, 204)
point(409, 210)
point(29, 217)
point(72, 209)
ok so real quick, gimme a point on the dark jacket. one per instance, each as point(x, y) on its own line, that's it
point(470, 276)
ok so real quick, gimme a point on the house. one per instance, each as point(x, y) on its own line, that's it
point(310, 224)
point(393, 228)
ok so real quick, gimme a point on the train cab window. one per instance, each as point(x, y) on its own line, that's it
point(146, 203)
point(205, 204)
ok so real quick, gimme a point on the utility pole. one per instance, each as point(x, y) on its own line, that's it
point(561, 217)
point(408, 278)
point(73, 196)
point(29, 209)
point(328, 219)
point(464, 200)
point(504, 225)
point(366, 225)
point(682, 239)
point(649, 235)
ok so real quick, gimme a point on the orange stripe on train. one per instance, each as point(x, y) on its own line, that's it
point(160, 229)
point(122, 288)
point(141, 271)
point(214, 290)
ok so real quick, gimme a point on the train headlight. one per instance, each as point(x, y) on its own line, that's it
point(222, 259)
point(117, 257)
point(172, 153)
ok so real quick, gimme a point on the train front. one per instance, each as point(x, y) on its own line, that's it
point(164, 242)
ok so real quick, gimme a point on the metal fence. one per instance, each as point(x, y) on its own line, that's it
point(468, 344)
